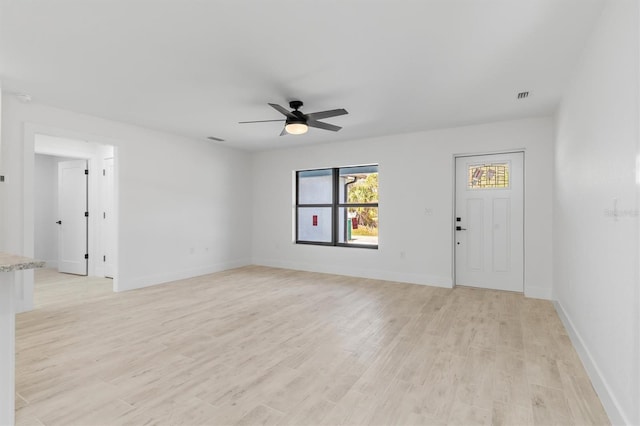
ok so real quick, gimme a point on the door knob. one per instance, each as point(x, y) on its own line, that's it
point(59, 222)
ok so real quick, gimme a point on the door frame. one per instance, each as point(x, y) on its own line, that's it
point(522, 151)
point(24, 299)
point(108, 203)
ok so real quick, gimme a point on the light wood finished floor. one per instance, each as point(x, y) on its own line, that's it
point(259, 345)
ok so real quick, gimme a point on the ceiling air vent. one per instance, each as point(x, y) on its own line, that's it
point(213, 138)
point(523, 95)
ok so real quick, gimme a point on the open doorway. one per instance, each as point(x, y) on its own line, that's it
point(74, 186)
point(58, 142)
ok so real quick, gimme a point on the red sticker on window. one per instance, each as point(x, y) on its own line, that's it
point(315, 220)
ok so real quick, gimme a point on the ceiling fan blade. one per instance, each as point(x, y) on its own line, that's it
point(327, 114)
point(283, 132)
point(282, 110)
point(257, 121)
point(324, 126)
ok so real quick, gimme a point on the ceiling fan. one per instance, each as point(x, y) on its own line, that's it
point(298, 123)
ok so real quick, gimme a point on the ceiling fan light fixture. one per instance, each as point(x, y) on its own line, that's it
point(296, 128)
point(298, 123)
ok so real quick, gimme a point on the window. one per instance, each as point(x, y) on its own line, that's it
point(338, 206)
point(487, 176)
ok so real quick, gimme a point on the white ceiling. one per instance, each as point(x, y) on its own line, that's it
point(197, 67)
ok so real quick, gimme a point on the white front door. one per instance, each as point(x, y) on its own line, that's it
point(72, 219)
point(489, 221)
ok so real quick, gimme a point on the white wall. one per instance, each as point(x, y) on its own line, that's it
point(183, 205)
point(596, 253)
point(416, 202)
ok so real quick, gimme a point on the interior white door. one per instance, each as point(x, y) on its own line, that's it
point(489, 221)
point(72, 219)
point(108, 229)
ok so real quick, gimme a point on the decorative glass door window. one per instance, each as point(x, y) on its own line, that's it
point(488, 176)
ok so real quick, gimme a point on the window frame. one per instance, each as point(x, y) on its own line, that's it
point(335, 207)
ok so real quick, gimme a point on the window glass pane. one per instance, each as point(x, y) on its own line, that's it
point(314, 224)
point(358, 184)
point(315, 187)
point(486, 176)
point(358, 225)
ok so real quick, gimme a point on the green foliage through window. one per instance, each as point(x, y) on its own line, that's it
point(365, 190)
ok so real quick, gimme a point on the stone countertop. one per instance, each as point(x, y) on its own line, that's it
point(11, 262)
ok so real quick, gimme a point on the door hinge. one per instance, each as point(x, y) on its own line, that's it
point(104, 215)
point(104, 258)
point(86, 256)
point(86, 172)
point(104, 172)
point(86, 214)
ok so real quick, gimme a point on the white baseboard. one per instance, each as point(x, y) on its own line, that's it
point(411, 278)
point(609, 402)
point(538, 292)
point(125, 284)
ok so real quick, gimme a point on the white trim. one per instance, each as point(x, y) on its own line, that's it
point(535, 292)
point(602, 388)
point(151, 280)
point(410, 278)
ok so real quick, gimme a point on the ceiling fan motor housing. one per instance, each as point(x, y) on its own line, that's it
point(297, 122)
